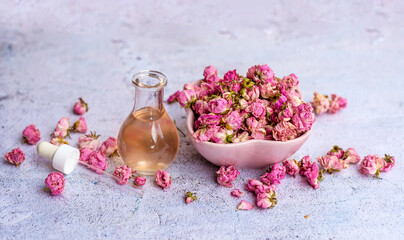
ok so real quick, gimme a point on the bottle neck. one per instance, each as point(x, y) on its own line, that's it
point(148, 97)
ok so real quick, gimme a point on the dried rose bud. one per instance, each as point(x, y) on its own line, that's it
point(163, 179)
point(97, 162)
point(55, 182)
point(173, 98)
point(57, 141)
point(110, 147)
point(80, 107)
point(122, 174)
point(292, 167)
point(31, 134)
point(15, 156)
point(371, 165)
point(80, 125)
point(331, 163)
point(140, 181)
point(226, 175)
point(320, 103)
point(62, 128)
point(243, 205)
point(390, 162)
point(190, 197)
point(89, 141)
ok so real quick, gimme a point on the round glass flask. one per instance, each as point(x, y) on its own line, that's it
point(148, 139)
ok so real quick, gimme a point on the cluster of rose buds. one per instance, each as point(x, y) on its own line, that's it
point(226, 175)
point(235, 108)
point(322, 103)
point(55, 182)
point(190, 197)
point(63, 130)
point(373, 164)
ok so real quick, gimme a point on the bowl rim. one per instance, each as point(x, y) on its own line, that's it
point(190, 130)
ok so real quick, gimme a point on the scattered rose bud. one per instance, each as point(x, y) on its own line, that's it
point(330, 163)
point(15, 156)
point(89, 141)
point(277, 173)
point(237, 193)
point(190, 197)
point(226, 175)
point(292, 167)
point(80, 125)
point(243, 205)
point(390, 162)
point(253, 184)
point(371, 165)
point(304, 165)
point(97, 162)
point(173, 98)
point(31, 134)
point(163, 179)
point(110, 147)
point(351, 156)
point(337, 103)
point(313, 175)
point(140, 181)
point(321, 103)
point(57, 141)
point(336, 151)
point(55, 182)
point(122, 174)
point(266, 199)
point(62, 128)
point(80, 107)
point(85, 154)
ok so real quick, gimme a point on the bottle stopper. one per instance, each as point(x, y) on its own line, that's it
point(64, 158)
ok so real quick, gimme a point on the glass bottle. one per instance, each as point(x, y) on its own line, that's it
point(148, 139)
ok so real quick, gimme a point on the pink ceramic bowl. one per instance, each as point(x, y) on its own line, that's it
point(248, 154)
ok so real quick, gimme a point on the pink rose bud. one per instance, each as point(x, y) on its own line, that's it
point(252, 185)
point(186, 97)
point(266, 200)
point(55, 182)
point(351, 156)
point(371, 165)
point(230, 76)
point(190, 197)
point(201, 107)
point(268, 90)
point(243, 205)
point(261, 73)
point(257, 109)
point(80, 107)
point(97, 161)
point(233, 120)
point(312, 175)
point(330, 163)
point(237, 193)
point(321, 103)
point(389, 163)
point(304, 117)
point(337, 103)
point(218, 105)
point(62, 128)
point(286, 115)
point(89, 141)
point(284, 131)
point(290, 81)
point(163, 179)
point(223, 135)
point(241, 137)
point(15, 156)
point(57, 141)
point(277, 173)
point(292, 167)
point(122, 174)
point(31, 134)
point(85, 154)
point(226, 175)
point(140, 181)
point(173, 98)
point(304, 165)
point(80, 125)
point(265, 189)
point(210, 74)
point(209, 119)
point(336, 151)
point(110, 147)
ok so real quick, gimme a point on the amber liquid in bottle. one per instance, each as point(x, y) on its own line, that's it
point(148, 140)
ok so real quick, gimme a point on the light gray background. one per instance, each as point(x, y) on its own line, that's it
point(52, 52)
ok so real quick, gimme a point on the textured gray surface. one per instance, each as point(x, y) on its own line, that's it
point(52, 52)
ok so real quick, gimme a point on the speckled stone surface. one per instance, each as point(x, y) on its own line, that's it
point(52, 52)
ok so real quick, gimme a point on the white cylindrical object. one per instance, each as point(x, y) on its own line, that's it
point(64, 158)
